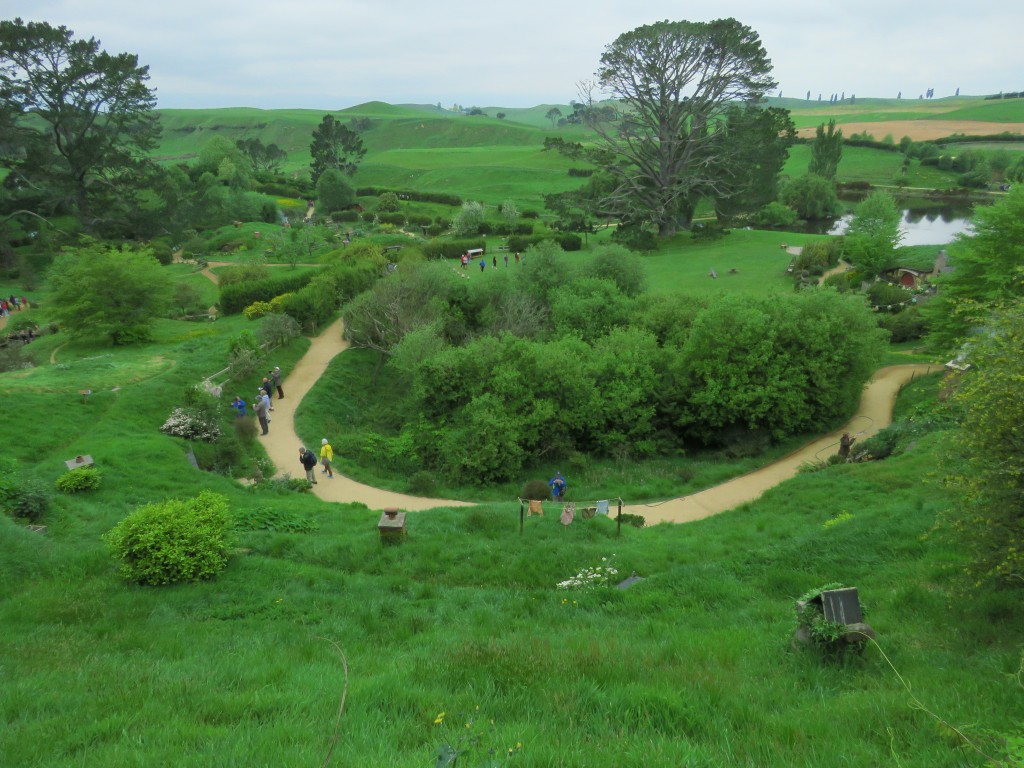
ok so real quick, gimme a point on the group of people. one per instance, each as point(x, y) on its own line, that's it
point(263, 403)
point(262, 406)
point(308, 459)
point(464, 260)
point(12, 304)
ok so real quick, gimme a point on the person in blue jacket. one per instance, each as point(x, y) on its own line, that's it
point(239, 405)
point(558, 486)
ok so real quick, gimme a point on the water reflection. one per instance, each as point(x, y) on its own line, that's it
point(925, 224)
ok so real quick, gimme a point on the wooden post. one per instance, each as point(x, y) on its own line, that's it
point(618, 519)
point(521, 517)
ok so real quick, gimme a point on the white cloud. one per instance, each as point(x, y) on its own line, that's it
point(327, 54)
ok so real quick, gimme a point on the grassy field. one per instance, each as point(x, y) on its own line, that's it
point(693, 665)
point(491, 160)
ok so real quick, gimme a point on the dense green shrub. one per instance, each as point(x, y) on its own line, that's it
point(278, 329)
point(396, 219)
point(80, 479)
point(775, 215)
point(236, 296)
point(451, 249)
point(21, 496)
point(225, 456)
point(388, 202)
point(888, 296)
point(415, 196)
point(535, 489)
point(811, 196)
point(818, 253)
point(245, 273)
point(907, 325)
point(570, 242)
point(344, 216)
point(173, 541)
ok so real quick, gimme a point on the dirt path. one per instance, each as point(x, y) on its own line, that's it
point(282, 444)
point(874, 413)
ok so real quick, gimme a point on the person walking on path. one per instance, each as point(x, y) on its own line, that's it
point(275, 375)
point(260, 408)
point(326, 457)
point(483, 264)
point(308, 460)
point(495, 260)
point(506, 259)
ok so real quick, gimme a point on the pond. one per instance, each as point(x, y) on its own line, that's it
point(922, 222)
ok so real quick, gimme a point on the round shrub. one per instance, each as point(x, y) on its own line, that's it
point(535, 489)
point(26, 499)
point(78, 480)
point(256, 310)
point(173, 541)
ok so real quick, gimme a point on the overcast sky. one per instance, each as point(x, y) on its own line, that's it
point(331, 54)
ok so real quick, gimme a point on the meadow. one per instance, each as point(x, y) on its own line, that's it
point(460, 634)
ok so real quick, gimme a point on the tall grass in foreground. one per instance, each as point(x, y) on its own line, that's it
point(691, 666)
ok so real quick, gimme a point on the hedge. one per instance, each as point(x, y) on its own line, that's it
point(408, 194)
point(236, 297)
point(451, 249)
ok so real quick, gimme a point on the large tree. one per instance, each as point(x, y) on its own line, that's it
point(262, 157)
point(335, 146)
point(102, 292)
point(94, 109)
point(674, 81)
point(753, 147)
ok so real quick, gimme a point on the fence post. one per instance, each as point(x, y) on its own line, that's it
point(618, 519)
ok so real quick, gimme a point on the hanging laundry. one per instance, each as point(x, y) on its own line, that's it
point(568, 513)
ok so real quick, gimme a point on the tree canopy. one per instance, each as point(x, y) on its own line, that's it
point(674, 81)
point(335, 146)
point(873, 233)
point(108, 292)
point(986, 460)
point(826, 151)
point(96, 108)
point(988, 272)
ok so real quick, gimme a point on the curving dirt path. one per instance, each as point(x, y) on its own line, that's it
point(874, 413)
point(282, 444)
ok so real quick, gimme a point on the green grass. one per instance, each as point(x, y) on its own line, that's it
point(693, 664)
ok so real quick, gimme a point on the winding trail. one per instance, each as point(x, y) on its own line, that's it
point(281, 445)
point(874, 413)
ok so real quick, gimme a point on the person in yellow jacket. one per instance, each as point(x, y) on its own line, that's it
point(326, 457)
